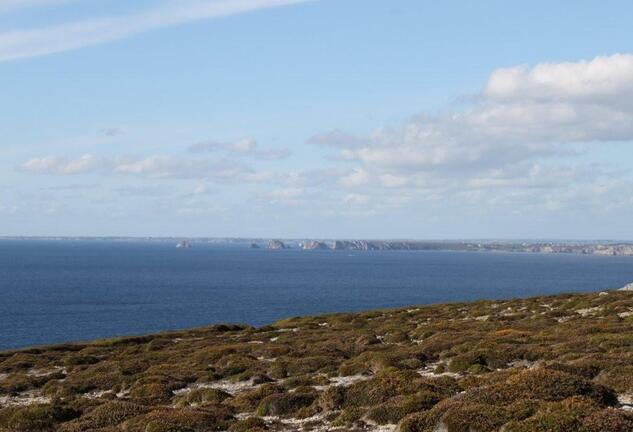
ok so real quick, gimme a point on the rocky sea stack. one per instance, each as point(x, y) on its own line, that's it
point(561, 364)
point(276, 245)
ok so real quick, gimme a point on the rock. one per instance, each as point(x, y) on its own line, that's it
point(276, 245)
point(362, 245)
point(254, 246)
point(316, 245)
point(628, 287)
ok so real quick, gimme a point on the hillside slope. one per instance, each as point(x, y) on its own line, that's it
point(562, 363)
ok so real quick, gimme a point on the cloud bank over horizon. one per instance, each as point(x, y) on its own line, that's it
point(519, 146)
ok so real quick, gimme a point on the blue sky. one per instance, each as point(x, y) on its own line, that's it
point(324, 118)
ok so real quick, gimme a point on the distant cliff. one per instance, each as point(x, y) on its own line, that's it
point(586, 248)
point(315, 245)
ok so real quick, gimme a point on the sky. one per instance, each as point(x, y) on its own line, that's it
point(317, 118)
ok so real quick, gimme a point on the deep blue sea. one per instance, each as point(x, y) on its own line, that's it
point(58, 291)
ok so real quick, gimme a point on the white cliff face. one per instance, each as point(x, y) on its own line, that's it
point(316, 245)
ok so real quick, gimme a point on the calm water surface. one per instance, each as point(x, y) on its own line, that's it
point(56, 291)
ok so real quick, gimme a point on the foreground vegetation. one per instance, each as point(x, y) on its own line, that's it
point(562, 363)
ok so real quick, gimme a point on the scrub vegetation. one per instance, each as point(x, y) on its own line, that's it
point(560, 363)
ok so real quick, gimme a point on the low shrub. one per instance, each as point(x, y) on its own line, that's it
point(281, 404)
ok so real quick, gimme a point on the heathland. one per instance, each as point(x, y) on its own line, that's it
point(558, 363)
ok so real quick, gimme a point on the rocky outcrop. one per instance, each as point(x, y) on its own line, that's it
point(628, 287)
point(315, 245)
point(355, 245)
point(276, 245)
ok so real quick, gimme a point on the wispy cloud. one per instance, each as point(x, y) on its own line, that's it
point(153, 167)
point(26, 43)
point(245, 147)
point(13, 5)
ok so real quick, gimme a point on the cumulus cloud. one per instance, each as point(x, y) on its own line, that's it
point(513, 149)
point(601, 80)
point(247, 147)
point(525, 118)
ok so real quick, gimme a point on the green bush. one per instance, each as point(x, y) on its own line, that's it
point(281, 404)
point(39, 418)
point(251, 424)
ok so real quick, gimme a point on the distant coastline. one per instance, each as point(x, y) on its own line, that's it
point(585, 247)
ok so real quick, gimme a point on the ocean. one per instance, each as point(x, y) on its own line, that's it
point(62, 291)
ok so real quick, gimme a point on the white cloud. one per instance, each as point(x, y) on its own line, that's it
point(286, 193)
point(356, 178)
point(515, 147)
point(156, 166)
point(513, 151)
point(393, 181)
point(523, 116)
point(14, 5)
point(356, 199)
point(247, 147)
point(26, 43)
point(63, 166)
point(603, 79)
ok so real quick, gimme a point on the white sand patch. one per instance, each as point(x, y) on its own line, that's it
point(482, 318)
point(349, 380)
point(625, 314)
point(274, 339)
point(101, 393)
point(588, 311)
point(522, 364)
point(96, 394)
point(44, 372)
point(230, 387)
point(345, 381)
point(626, 401)
point(563, 319)
point(318, 423)
point(429, 371)
point(23, 399)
